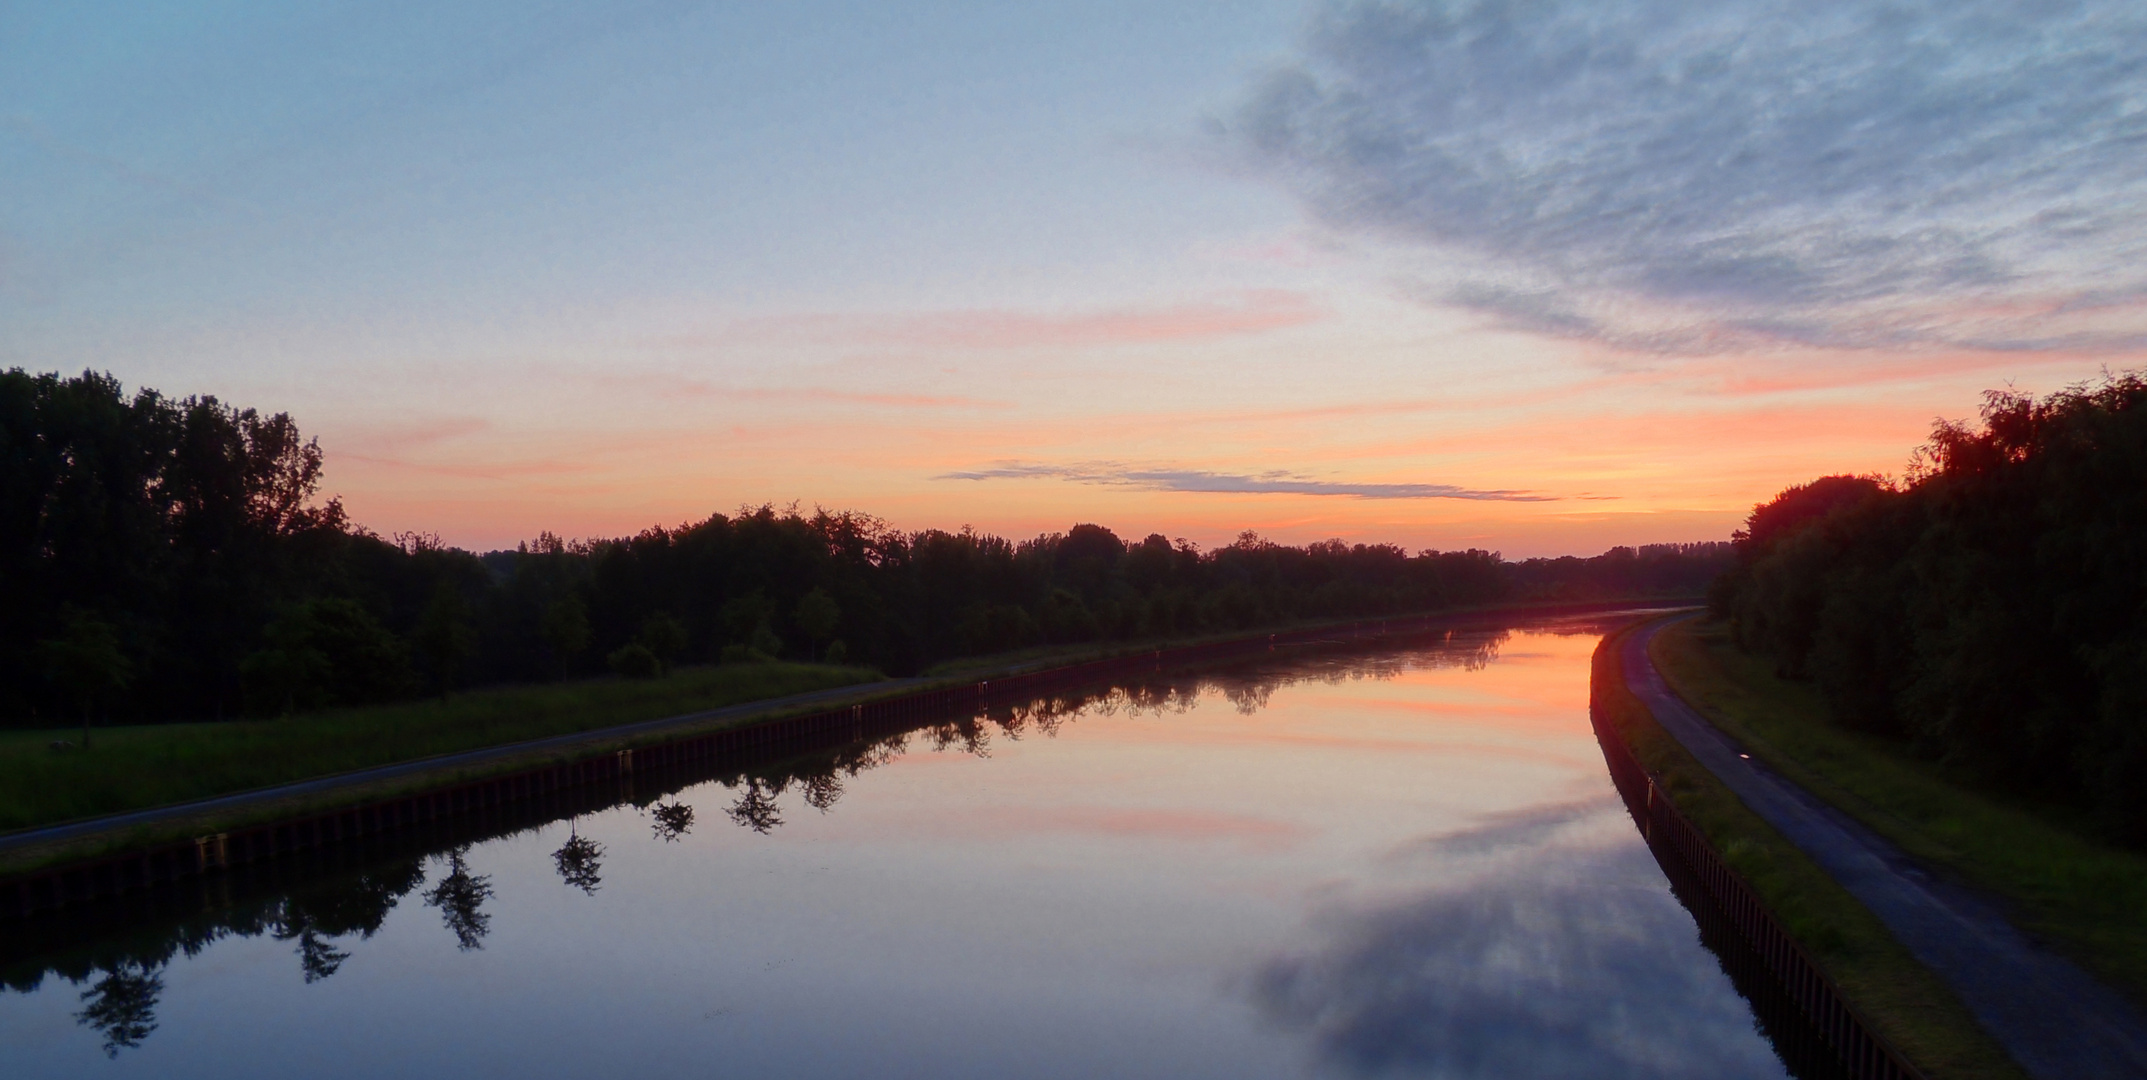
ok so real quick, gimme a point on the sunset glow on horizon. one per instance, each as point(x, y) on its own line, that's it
point(1388, 272)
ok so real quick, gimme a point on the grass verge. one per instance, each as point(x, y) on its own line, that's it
point(1908, 1004)
point(136, 767)
point(2087, 898)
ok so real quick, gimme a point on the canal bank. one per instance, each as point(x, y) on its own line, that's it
point(1903, 1004)
point(1883, 927)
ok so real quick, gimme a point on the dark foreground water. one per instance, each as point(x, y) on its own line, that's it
point(1408, 864)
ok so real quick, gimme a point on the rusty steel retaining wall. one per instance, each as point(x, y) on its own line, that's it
point(1858, 1052)
point(115, 875)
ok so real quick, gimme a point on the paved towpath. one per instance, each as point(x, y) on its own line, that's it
point(52, 834)
point(2057, 1021)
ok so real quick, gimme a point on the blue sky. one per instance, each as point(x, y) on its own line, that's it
point(1538, 277)
point(393, 164)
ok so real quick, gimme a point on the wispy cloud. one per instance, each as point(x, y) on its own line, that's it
point(1683, 178)
point(1252, 312)
point(392, 441)
point(665, 384)
point(1196, 480)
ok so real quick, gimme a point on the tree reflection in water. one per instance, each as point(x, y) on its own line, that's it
point(822, 790)
point(315, 916)
point(122, 1006)
point(755, 808)
point(671, 820)
point(460, 896)
point(577, 862)
point(317, 957)
point(323, 915)
point(968, 733)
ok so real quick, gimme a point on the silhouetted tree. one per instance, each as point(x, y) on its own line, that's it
point(664, 637)
point(818, 616)
point(1989, 611)
point(85, 662)
point(326, 651)
point(194, 530)
point(443, 639)
point(566, 630)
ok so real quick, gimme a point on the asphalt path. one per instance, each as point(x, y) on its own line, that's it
point(28, 838)
point(2058, 1021)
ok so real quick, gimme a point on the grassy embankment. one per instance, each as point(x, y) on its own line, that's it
point(1908, 1004)
point(133, 767)
point(2065, 886)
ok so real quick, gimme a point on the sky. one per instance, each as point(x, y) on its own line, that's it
point(1537, 277)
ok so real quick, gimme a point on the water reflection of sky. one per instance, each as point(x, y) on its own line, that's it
point(1407, 866)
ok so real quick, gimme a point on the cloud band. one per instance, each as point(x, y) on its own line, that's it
point(1196, 480)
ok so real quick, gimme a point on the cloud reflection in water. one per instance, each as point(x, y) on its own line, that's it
point(1548, 962)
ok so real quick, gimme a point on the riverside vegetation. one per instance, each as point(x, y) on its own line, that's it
point(171, 560)
point(1959, 661)
point(1989, 614)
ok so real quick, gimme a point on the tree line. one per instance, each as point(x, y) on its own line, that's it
point(171, 559)
point(1990, 610)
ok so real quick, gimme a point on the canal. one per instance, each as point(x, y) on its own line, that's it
point(1319, 863)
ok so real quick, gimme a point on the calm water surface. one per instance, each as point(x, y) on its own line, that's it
point(1409, 863)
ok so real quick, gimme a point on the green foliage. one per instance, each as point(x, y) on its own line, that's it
point(741, 615)
point(1992, 612)
point(443, 640)
point(765, 642)
point(663, 636)
point(566, 630)
point(181, 522)
point(635, 661)
point(282, 679)
point(84, 661)
point(325, 651)
point(818, 615)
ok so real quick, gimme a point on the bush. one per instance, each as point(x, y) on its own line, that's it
point(765, 642)
point(635, 661)
point(663, 637)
